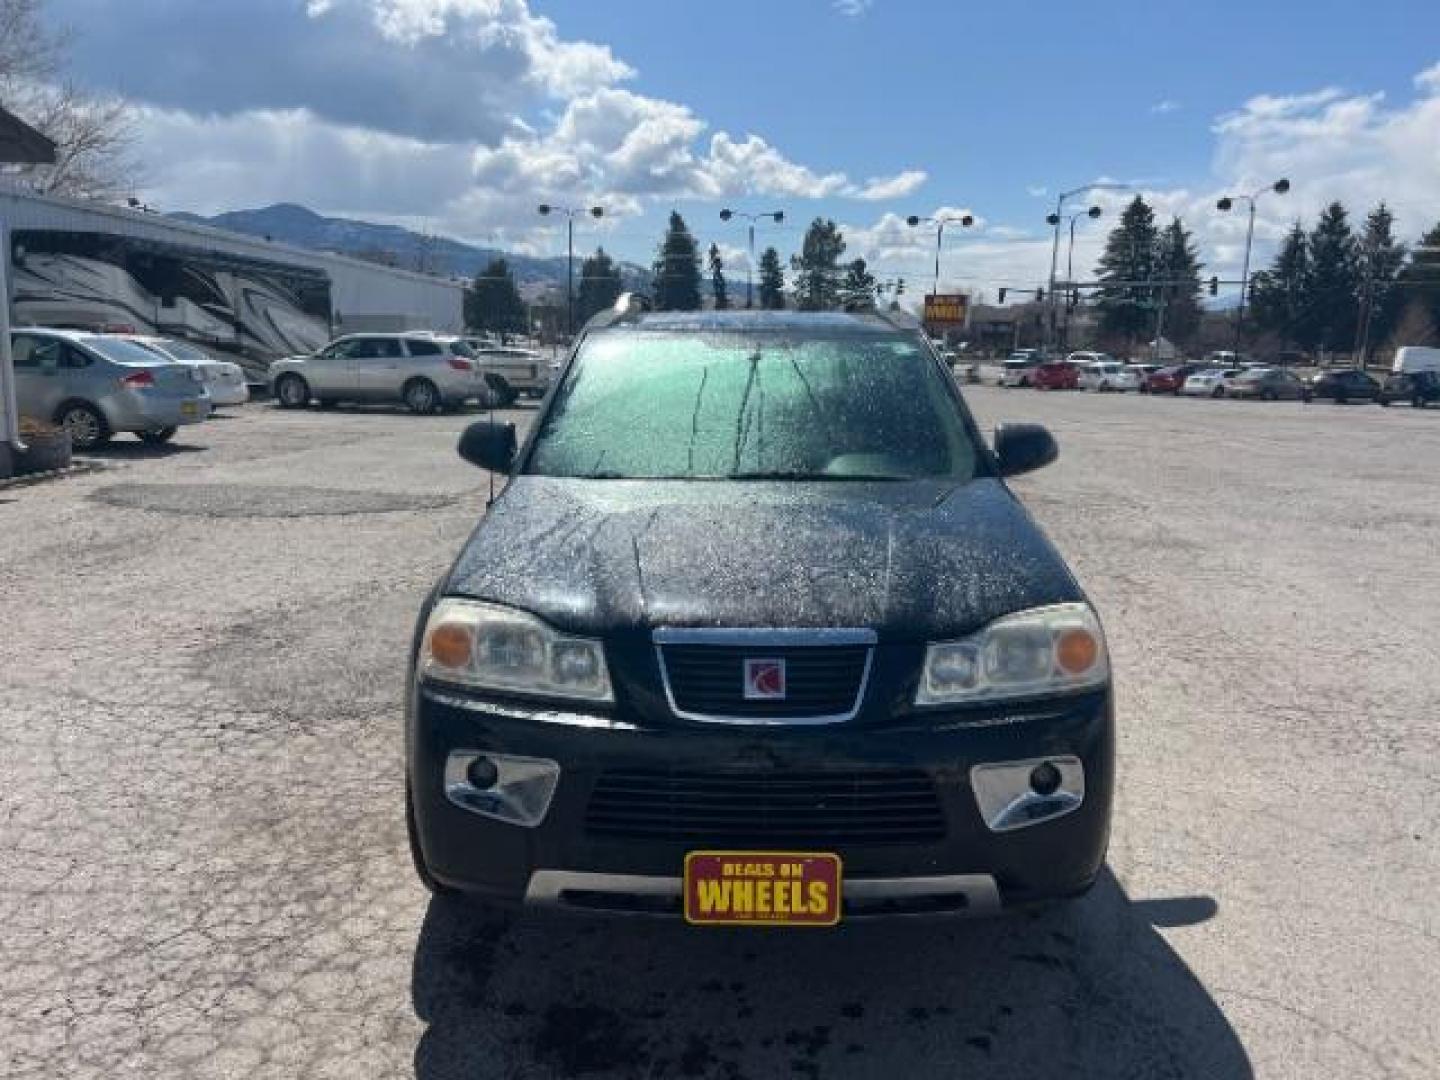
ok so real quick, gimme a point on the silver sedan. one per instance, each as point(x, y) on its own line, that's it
point(95, 385)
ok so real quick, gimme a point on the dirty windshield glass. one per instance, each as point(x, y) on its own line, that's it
point(754, 406)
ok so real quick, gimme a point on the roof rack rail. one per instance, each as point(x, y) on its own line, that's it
point(627, 307)
point(900, 319)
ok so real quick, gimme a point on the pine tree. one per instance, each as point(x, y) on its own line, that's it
point(1420, 285)
point(1332, 301)
point(772, 281)
point(1177, 260)
point(1130, 250)
point(493, 302)
point(718, 287)
point(817, 267)
point(677, 269)
point(857, 290)
point(1278, 295)
point(599, 285)
point(1381, 259)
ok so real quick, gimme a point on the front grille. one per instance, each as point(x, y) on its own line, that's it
point(803, 809)
point(821, 680)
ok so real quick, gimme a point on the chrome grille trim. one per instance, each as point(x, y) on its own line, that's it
point(759, 638)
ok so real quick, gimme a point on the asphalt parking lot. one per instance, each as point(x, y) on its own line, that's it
point(205, 865)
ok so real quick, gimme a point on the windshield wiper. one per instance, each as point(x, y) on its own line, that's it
point(795, 474)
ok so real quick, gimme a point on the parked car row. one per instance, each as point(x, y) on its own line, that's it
point(96, 385)
point(423, 370)
point(1415, 378)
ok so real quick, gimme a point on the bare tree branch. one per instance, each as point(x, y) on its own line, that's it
point(92, 135)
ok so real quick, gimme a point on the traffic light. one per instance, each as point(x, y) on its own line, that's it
point(1003, 290)
point(1039, 295)
point(1214, 286)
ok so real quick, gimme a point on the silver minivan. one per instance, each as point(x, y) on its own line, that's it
point(95, 385)
point(424, 371)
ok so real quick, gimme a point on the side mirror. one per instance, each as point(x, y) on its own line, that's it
point(489, 445)
point(1023, 448)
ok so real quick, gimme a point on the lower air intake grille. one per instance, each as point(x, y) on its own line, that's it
point(815, 809)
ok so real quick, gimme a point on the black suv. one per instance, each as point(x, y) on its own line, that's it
point(756, 632)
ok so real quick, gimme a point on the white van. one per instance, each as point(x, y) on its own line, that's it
point(1410, 359)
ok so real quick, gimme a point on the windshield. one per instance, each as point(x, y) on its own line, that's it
point(123, 352)
point(749, 406)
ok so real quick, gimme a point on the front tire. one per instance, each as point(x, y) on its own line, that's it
point(157, 438)
point(421, 397)
point(292, 392)
point(85, 424)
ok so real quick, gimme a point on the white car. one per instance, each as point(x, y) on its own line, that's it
point(224, 380)
point(1208, 383)
point(1109, 376)
point(1019, 369)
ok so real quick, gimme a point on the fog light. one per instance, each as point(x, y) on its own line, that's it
point(482, 773)
point(516, 790)
point(1044, 779)
point(1017, 794)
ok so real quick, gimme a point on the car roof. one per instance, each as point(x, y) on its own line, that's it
point(762, 321)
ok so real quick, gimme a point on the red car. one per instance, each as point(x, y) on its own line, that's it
point(1058, 375)
point(1168, 380)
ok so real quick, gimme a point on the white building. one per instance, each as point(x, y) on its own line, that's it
point(90, 265)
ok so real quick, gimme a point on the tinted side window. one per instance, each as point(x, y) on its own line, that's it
point(418, 347)
point(365, 349)
point(75, 358)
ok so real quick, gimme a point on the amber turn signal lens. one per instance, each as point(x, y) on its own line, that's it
point(1076, 651)
point(450, 645)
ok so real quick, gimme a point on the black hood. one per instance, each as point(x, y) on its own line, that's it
point(911, 560)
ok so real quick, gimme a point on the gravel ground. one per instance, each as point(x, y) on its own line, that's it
point(205, 868)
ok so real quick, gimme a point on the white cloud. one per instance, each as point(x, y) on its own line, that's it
point(1167, 105)
point(894, 187)
point(852, 8)
point(471, 111)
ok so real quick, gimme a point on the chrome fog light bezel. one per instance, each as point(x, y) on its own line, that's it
point(521, 795)
point(1007, 801)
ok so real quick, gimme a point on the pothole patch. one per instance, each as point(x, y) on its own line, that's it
point(264, 501)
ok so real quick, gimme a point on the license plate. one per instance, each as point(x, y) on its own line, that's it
point(762, 888)
point(189, 408)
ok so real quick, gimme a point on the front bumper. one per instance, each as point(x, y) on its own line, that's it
point(564, 861)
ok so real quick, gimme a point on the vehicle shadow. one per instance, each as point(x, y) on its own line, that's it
point(1087, 989)
point(121, 449)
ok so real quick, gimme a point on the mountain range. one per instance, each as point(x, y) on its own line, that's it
point(300, 226)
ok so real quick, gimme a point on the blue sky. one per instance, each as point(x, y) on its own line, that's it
point(459, 115)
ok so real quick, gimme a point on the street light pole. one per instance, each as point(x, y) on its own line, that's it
point(1054, 219)
point(963, 220)
point(546, 209)
point(775, 215)
point(1093, 212)
point(1280, 187)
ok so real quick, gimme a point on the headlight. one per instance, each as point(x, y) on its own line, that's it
point(1050, 650)
point(497, 648)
